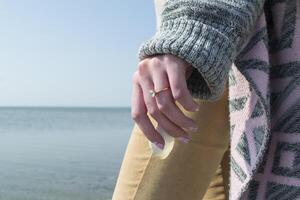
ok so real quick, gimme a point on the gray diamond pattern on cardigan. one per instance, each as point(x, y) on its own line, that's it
point(274, 78)
point(281, 191)
point(243, 148)
point(258, 110)
point(258, 132)
point(237, 104)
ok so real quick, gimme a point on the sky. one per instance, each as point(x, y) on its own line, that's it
point(71, 52)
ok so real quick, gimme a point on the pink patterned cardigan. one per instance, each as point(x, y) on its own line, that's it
point(263, 80)
point(264, 96)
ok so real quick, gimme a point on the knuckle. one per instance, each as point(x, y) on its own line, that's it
point(142, 67)
point(168, 57)
point(155, 61)
point(153, 112)
point(177, 94)
point(163, 106)
point(136, 116)
point(135, 77)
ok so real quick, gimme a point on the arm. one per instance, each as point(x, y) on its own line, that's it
point(208, 34)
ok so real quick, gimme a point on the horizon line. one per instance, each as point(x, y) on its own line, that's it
point(61, 106)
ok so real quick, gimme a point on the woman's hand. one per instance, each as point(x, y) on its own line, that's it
point(155, 73)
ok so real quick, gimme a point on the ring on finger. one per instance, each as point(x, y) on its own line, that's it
point(153, 93)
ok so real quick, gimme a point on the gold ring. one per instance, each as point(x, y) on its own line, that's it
point(153, 93)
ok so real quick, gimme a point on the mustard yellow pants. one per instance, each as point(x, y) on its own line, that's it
point(193, 171)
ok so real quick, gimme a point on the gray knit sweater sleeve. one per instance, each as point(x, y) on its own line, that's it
point(208, 34)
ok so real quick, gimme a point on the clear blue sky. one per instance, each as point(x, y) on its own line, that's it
point(71, 52)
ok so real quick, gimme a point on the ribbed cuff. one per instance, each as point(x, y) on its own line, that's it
point(205, 48)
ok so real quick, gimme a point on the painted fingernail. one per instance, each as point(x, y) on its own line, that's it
point(159, 145)
point(184, 139)
point(197, 108)
point(194, 129)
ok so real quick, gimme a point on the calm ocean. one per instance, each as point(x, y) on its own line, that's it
point(61, 153)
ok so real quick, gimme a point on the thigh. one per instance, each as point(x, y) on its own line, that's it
point(218, 188)
point(188, 170)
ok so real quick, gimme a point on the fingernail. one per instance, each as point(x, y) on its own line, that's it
point(159, 145)
point(184, 139)
point(197, 108)
point(194, 129)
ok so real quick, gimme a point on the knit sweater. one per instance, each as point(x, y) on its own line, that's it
point(254, 47)
point(207, 34)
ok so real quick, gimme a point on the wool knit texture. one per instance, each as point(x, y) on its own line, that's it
point(253, 47)
point(218, 28)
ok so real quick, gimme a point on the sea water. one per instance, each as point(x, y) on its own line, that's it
point(61, 153)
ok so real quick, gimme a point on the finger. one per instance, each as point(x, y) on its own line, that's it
point(165, 101)
point(150, 102)
point(179, 87)
point(139, 114)
point(167, 106)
